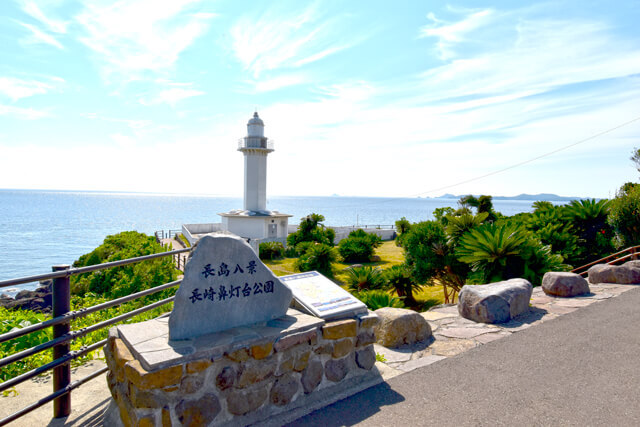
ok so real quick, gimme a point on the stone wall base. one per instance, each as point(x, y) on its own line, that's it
point(266, 374)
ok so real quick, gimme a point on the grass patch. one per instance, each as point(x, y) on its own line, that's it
point(389, 254)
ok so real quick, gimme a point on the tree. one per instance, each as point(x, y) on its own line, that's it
point(311, 230)
point(399, 279)
point(624, 215)
point(635, 157)
point(364, 278)
point(319, 257)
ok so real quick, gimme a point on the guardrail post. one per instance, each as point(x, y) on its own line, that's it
point(62, 374)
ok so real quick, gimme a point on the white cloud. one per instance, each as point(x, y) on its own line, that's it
point(171, 95)
point(533, 55)
point(279, 82)
point(449, 34)
point(277, 40)
point(132, 123)
point(38, 36)
point(31, 8)
point(17, 88)
point(137, 36)
point(22, 113)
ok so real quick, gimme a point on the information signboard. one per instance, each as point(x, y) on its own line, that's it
point(321, 297)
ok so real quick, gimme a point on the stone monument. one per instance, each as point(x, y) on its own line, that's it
point(225, 285)
point(232, 352)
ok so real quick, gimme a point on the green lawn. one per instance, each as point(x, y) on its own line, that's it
point(389, 254)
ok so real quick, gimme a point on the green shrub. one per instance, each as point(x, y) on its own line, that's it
point(124, 280)
point(318, 257)
point(625, 215)
point(399, 279)
point(312, 230)
point(363, 278)
point(375, 299)
point(271, 250)
point(359, 246)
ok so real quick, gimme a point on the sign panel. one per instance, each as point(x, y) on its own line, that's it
point(320, 297)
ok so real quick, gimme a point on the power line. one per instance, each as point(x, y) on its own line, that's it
point(501, 170)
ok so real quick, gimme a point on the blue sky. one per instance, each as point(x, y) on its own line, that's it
point(366, 98)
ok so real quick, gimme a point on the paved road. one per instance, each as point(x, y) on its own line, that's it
point(582, 368)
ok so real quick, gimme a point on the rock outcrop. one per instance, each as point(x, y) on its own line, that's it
point(564, 284)
point(400, 326)
point(37, 300)
point(495, 302)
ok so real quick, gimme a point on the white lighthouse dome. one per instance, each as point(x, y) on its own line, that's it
point(255, 126)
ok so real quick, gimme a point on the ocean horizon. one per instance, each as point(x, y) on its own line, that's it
point(42, 228)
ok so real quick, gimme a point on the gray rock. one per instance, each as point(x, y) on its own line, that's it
point(336, 369)
point(225, 285)
point(625, 274)
point(240, 402)
point(564, 284)
point(199, 411)
point(284, 389)
point(399, 326)
point(496, 302)
point(366, 358)
point(312, 376)
point(226, 378)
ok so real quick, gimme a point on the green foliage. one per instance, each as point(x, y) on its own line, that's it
point(589, 220)
point(11, 319)
point(364, 278)
point(548, 225)
point(375, 299)
point(124, 280)
point(423, 250)
point(380, 358)
point(624, 216)
point(458, 225)
point(359, 246)
point(312, 230)
point(183, 239)
point(505, 251)
point(442, 214)
point(399, 279)
point(635, 157)
point(402, 225)
point(318, 257)
point(271, 250)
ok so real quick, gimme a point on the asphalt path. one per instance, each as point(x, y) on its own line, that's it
point(582, 368)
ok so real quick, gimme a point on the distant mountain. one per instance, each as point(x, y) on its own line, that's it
point(533, 197)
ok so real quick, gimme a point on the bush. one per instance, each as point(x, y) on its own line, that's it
point(124, 280)
point(363, 278)
point(359, 246)
point(311, 230)
point(318, 257)
point(400, 280)
point(271, 250)
point(625, 215)
point(375, 299)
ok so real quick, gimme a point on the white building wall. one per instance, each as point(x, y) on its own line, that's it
point(248, 227)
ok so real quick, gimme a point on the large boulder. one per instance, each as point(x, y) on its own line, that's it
point(400, 326)
point(626, 274)
point(496, 302)
point(564, 284)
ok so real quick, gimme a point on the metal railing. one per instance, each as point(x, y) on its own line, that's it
point(256, 142)
point(628, 254)
point(161, 234)
point(63, 335)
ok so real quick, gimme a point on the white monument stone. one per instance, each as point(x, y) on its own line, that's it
point(225, 285)
point(319, 296)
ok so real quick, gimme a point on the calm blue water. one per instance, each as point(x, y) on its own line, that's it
point(39, 229)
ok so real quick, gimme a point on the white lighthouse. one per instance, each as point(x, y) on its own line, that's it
point(254, 221)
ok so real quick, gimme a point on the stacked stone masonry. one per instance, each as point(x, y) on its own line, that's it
point(244, 385)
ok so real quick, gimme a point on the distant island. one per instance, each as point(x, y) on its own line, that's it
point(535, 197)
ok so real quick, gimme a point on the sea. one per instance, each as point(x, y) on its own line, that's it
point(39, 229)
